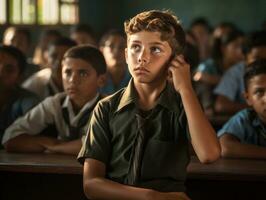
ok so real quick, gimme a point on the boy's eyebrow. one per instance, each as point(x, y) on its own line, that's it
point(151, 43)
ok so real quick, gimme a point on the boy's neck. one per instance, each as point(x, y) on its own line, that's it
point(78, 104)
point(149, 94)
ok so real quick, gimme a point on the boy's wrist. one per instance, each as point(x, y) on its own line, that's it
point(186, 89)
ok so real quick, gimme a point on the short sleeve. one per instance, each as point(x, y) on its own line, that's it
point(229, 86)
point(236, 126)
point(97, 143)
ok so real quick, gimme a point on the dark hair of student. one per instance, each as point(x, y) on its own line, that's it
point(218, 43)
point(51, 32)
point(84, 28)
point(255, 39)
point(163, 22)
point(89, 54)
point(108, 34)
point(201, 21)
point(63, 41)
point(254, 69)
point(16, 54)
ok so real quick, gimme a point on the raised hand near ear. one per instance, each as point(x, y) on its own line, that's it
point(180, 75)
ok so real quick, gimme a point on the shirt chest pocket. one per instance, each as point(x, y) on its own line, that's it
point(164, 160)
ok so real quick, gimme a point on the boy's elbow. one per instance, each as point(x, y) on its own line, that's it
point(226, 151)
point(9, 146)
point(89, 189)
point(211, 156)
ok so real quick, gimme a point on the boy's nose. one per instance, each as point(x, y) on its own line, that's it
point(143, 57)
point(74, 78)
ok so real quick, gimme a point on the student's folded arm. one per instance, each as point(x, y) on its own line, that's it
point(96, 186)
point(207, 78)
point(69, 147)
point(225, 105)
point(203, 136)
point(233, 148)
point(27, 143)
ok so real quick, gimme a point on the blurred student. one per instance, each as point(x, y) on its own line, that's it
point(201, 29)
point(48, 81)
point(244, 135)
point(112, 45)
point(14, 101)
point(83, 34)
point(41, 51)
point(21, 39)
point(226, 52)
point(83, 73)
point(230, 89)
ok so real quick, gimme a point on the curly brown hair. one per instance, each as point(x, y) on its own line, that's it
point(159, 21)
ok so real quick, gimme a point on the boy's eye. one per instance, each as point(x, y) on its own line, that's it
point(83, 73)
point(135, 47)
point(156, 50)
point(68, 72)
point(259, 92)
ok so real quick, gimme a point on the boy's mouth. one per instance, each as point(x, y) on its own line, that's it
point(141, 70)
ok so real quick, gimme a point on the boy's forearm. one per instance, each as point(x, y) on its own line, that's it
point(28, 143)
point(203, 136)
point(101, 188)
point(236, 149)
point(71, 147)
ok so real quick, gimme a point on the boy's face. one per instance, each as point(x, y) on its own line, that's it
point(9, 71)
point(147, 56)
point(114, 50)
point(80, 80)
point(55, 57)
point(256, 53)
point(256, 95)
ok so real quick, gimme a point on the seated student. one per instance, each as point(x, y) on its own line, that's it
point(21, 39)
point(201, 29)
point(48, 81)
point(244, 135)
point(137, 142)
point(112, 45)
point(83, 73)
point(230, 89)
point(14, 101)
point(226, 52)
point(40, 52)
point(83, 34)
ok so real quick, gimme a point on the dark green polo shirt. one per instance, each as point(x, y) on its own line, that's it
point(112, 133)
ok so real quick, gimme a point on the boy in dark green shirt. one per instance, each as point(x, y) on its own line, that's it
point(137, 142)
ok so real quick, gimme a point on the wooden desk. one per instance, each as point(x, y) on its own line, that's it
point(228, 170)
point(39, 163)
point(223, 169)
point(235, 178)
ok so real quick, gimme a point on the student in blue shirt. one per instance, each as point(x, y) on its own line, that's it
point(230, 89)
point(244, 135)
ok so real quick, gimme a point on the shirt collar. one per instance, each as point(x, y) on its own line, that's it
point(166, 99)
point(75, 118)
point(129, 96)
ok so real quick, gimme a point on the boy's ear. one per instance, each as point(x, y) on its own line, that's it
point(101, 80)
point(246, 96)
point(126, 54)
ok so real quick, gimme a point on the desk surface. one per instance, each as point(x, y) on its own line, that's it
point(222, 169)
